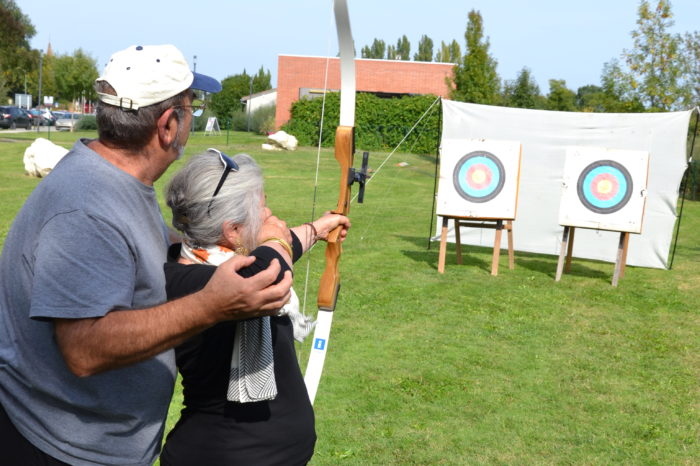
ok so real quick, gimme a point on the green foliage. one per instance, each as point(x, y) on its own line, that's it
point(16, 55)
point(75, 76)
point(228, 101)
point(261, 121)
point(403, 49)
point(86, 122)
point(449, 53)
point(523, 92)
point(655, 65)
point(475, 78)
point(425, 49)
point(560, 97)
point(377, 50)
point(692, 57)
point(380, 123)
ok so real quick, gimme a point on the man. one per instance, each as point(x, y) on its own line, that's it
point(86, 370)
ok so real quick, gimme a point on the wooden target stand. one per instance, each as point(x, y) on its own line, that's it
point(498, 224)
point(567, 247)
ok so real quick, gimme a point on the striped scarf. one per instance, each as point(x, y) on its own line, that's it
point(252, 375)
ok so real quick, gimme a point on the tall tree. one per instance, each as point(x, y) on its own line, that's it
point(560, 97)
point(619, 95)
point(375, 51)
point(16, 56)
point(425, 49)
point(449, 53)
point(391, 53)
point(403, 49)
point(655, 67)
point(523, 91)
point(234, 87)
point(75, 76)
point(692, 56)
point(475, 78)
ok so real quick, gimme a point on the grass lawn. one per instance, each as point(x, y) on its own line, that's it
point(466, 368)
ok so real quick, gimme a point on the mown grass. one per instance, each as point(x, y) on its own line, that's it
point(463, 367)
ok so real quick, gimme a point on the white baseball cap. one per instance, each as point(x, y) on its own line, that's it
point(144, 75)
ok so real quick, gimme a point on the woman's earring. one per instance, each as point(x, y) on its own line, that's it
point(239, 249)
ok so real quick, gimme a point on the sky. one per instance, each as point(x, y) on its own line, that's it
point(555, 39)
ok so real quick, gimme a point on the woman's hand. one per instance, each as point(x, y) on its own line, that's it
point(328, 223)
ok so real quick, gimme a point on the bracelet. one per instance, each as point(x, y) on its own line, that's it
point(313, 228)
point(282, 243)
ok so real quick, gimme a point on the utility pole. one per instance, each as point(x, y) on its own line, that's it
point(41, 67)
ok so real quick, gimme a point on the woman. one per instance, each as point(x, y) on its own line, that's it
point(244, 395)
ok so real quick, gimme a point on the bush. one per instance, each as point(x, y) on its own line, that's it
point(86, 122)
point(380, 123)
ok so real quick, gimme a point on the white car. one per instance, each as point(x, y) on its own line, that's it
point(68, 122)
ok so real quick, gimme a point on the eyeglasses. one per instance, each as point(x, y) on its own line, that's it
point(229, 166)
point(197, 110)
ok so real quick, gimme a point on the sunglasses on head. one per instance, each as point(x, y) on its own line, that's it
point(229, 166)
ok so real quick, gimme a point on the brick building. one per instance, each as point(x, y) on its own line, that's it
point(300, 76)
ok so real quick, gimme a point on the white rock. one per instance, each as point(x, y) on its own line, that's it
point(41, 156)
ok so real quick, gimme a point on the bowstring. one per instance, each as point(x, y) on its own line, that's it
point(318, 162)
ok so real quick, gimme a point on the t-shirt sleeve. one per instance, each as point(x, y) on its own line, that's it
point(83, 268)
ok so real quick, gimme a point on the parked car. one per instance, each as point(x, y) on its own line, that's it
point(14, 117)
point(68, 121)
point(41, 117)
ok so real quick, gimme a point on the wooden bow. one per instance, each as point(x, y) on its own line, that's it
point(344, 154)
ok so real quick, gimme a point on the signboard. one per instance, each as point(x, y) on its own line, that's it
point(604, 189)
point(212, 125)
point(479, 178)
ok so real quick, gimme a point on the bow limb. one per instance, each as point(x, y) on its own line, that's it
point(344, 151)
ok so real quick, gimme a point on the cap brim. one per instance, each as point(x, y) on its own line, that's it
point(205, 83)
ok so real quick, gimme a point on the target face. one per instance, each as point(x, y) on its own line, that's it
point(479, 176)
point(604, 186)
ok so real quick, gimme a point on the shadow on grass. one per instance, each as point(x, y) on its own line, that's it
point(472, 256)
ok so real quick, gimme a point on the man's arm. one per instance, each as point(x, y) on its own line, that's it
point(125, 337)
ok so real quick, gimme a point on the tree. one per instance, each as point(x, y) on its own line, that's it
point(692, 56)
point(233, 88)
point(425, 49)
point(655, 65)
point(16, 56)
point(375, 51)
point(560, 97)
point(451, 53)
point(619, 95)
point(75, 76)
point(391, 53)
point(523, 91)
point(403, 49)
point(475, 78)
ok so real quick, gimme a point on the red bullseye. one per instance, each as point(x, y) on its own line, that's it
point(479, 176)
point(605, 186)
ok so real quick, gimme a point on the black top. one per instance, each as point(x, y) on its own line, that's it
point(213, 430)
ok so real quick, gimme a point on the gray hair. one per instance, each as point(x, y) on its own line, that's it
point(132, 129)
point(189, 194)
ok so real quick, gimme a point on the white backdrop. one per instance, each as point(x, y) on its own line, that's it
point(544, 136)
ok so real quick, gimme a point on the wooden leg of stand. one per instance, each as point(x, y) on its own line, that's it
point(562, 254)
point(496, 248)
point(443, 246)
point(458, 242)
point(621, 257)
point(569, 250)
point(511, 252)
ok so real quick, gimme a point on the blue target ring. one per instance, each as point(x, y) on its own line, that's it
point(604, 186)
point(479, 176)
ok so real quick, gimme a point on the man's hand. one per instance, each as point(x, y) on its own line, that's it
point(234, 297)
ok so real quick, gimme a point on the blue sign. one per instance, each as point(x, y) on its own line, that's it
point(319, 344)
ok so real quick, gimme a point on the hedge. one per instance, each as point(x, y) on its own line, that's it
point(380, 123)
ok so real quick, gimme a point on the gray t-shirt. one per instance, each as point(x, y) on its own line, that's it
point(90, 239)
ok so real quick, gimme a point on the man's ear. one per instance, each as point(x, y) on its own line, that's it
point(167, 127)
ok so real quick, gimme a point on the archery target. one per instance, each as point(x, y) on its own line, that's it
point(479, 178)
point(604, 189)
